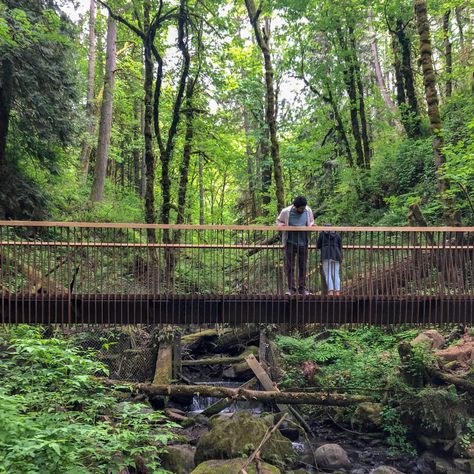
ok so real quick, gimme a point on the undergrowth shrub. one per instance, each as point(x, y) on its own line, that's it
point(56, 418)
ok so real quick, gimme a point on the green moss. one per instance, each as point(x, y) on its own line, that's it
point(232, 466)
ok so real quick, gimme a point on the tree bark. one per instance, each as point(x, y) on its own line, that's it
point(6, 95)
point(147, 126)
point(188, 140)
point(448, 52)
point(458, 12)
point(431, 94)
point(142, 153)
point(250, 167)
point(105, 126)
point(412, 113)
point(166, 150)
point(378, 72)
point(360, 91)
point(351, 88)
point(201, 189)
point(263, 38)
point(400, 86)
point(290, 398)
point(90, 112)
point(137, 152)
point(214, 361)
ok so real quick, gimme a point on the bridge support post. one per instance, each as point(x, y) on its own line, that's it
point(164, 364)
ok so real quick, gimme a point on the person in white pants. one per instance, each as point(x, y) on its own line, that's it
point(330, 245)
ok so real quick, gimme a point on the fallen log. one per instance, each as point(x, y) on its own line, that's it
point(214, 361)
point(225, 402)
point(292, 398)
point(458, 382)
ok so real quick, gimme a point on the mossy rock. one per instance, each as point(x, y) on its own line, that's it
point(178, 459)
point(239, 436)
point(368, 415)
point(232, 466)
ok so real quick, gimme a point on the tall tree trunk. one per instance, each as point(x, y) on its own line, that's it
point(263, 38)
point(351, 88)
point(105, 126)
point(147, 126)
point(413, 115)
point(188, 141)
point(86, 145)
point(340, 127)
point(6, 95)
point(250, 167)
point(378, 73)
point(458, 12)
point(263, 154)
point(201, 189)
point(137, 152)
point(431, 94)
point(400, 87)
point(166, 150)
point(360, 91)
point(143, 154)
point(448, 52)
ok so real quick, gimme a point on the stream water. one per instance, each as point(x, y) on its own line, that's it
point(365, 451)
point(199, 404)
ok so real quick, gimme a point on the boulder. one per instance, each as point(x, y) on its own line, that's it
point(462, 353)
point(178, 459)
point(385, 470)
point(368, 415)
point(232, 466)
point(239, 436)
point(464, 465)
point(331, 456)
point(430, 338)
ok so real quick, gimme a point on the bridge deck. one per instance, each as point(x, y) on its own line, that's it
point(86, 273)
point(235, 310)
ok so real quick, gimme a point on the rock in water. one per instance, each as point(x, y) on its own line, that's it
point(331, 456)
point(178, 459)
point(385, 470)
point(232, 466)
point(239, 436)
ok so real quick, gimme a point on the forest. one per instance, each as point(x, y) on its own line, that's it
point(220, 112)
point(132, 347)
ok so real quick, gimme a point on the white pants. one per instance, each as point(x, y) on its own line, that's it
point(331, 274)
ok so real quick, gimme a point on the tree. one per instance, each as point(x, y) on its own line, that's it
point(105, 125)
point(37, 76)
point(431, 94)
point(90, 105)
point(262, 35)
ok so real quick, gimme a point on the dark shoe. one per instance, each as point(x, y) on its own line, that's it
point(305, 293)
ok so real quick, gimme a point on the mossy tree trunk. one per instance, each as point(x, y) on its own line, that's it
point(431, 94)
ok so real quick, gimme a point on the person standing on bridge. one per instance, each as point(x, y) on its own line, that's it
point(295, 243)
point(330, 244)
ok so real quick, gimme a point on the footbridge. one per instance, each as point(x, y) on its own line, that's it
point(98, 273)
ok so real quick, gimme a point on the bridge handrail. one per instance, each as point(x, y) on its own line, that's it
point(316, 228)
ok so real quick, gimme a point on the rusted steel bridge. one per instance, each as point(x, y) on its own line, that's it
point(87, 273)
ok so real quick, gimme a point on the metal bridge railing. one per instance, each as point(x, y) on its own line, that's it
point(57, 271)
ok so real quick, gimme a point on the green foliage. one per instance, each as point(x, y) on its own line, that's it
point(435, 410)
point(467, 436)
point(396, 432)
point(365, 358)
point(56, 418)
